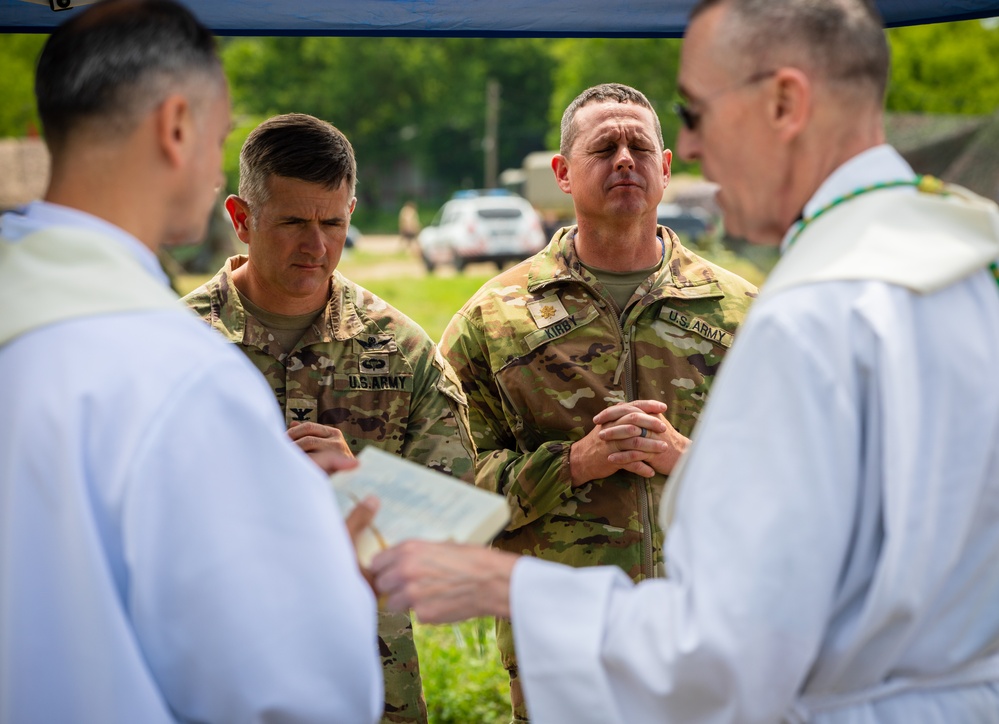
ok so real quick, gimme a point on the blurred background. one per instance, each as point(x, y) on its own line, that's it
point(462, 130)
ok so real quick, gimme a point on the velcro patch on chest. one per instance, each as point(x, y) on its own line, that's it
point(373, 364)
point(562, 327)
point(378, 382)
point(383, 343)
point(547, 311)
point(697, 325)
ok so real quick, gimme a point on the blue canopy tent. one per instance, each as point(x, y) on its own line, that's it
point(513, 18)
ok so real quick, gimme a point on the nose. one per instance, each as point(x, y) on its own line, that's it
point(624, 158)
point(313, 241)
point(687, 144)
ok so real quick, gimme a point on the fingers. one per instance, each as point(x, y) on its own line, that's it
point(332, 461)
point(313, 437)
point(299, 430)
point(635, 437)
point(651, 408)
point(361, 516)
point(444, 582)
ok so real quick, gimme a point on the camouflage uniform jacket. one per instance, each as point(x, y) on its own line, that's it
point(541, 349)
point(374, 374)
point(366, 369)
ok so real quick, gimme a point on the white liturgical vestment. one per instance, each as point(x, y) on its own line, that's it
point(166, 553)
point(833, 550)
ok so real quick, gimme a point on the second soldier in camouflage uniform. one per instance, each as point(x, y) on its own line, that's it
point(547, 345)
point(348, 370)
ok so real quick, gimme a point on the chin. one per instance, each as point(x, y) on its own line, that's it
point(184, 238)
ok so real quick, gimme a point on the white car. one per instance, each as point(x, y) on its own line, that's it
point(481, 226)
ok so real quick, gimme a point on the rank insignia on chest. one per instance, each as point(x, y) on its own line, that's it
point(547, 311)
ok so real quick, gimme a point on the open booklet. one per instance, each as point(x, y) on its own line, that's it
point(417, 502)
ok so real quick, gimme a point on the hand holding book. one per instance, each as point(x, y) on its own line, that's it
point(416, 503)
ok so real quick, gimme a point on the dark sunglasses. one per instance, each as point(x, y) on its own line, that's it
point(692, 119)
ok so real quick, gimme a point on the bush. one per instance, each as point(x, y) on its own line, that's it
point(463, 678)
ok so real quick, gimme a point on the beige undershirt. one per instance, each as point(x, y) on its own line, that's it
point(622, 285)
point(286, 330)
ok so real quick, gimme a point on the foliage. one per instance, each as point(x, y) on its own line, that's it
point(463, 678)
point(648, 64)
point(945, 68)
point(414, 108)
point(242, 125)
point(18, 55)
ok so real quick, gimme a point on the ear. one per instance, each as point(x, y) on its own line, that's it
point(174, 129)
point(353, 203)
point(560, 165)
point(667, 162)
point(239, 214)
point(790, 106)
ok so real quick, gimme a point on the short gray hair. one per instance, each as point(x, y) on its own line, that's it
point(604, 93)
point(108, 66)
point(842, 41)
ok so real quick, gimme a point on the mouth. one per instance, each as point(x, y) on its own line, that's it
point(625, 183)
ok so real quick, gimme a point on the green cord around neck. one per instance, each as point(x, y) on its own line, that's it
point(924, 183)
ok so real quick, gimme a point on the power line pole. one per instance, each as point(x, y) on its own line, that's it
point(490, 143)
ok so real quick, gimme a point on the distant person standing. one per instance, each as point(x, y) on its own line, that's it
point(347, 369)
point(409, 224)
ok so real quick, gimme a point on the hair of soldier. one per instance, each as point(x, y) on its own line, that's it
point(296, 146)
point(103, 70)
point(603, 93)
point(840, 41)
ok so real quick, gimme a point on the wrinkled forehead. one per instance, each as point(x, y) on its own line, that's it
point(305, 199)
point(612, 119)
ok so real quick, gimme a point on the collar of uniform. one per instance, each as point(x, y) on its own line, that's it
point(555, 262)
point(683, 274)
point(227, 314)
point(342, 318)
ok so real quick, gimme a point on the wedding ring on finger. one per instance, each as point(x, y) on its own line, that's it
point(645, 433)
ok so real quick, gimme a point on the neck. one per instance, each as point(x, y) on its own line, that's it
point(617, 247)
point(255, 288)
point(111, 183)
point(830, 142)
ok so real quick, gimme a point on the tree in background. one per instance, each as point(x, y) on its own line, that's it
point(415, 101)
point(945, 68)
point(415, 108)
point(648, 64)
point(18, 55)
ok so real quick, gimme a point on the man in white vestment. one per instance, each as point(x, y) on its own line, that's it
point(834, 528)
point(159, 562)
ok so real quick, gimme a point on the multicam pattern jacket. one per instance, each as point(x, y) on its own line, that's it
point(374, 374)
point(364, 368)
point(541, 349)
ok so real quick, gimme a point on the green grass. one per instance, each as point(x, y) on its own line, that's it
point(463, 678)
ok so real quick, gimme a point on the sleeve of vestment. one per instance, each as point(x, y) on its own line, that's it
point(533, 482)
point(437, 434)
point(243, 585)
point(761, 532)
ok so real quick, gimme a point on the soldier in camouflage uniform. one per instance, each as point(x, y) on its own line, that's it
point(348, 370)
point(614, 313)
